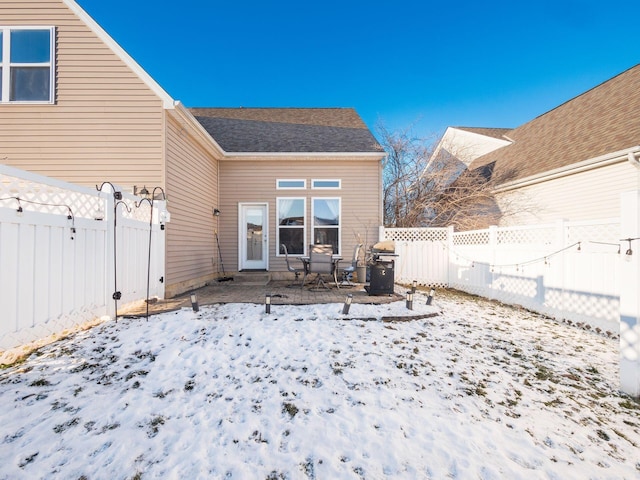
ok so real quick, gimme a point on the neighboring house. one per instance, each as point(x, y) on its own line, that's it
point(462, 145)
point(75, 106)
point(570, 163)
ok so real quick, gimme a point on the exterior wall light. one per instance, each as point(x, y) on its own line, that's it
point(216, 212)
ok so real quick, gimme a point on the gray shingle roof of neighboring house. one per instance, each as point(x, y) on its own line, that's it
point(297, 130)
point(602, 120)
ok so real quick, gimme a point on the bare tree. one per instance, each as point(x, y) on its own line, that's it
point(404, 163)
point(423, 190)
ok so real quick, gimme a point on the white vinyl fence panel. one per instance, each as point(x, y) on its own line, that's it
point(422, 254)
point(57, 259)
point(568, 270)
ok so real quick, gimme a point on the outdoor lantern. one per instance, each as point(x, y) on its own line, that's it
point(410, 300)
point(99, 214)
point(216, 212)
point(267, 303)
point(430, 297)
point(194, 302)
point(414, 286)
point(347, 304)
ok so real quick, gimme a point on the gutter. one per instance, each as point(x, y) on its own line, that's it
point(186, 116)
point(301, 155)
point(630, 154)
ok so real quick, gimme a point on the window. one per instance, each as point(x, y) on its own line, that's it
point(320, 184)
point(26, 64)
point(291, 225)
point(326, 222)
point(291, 184)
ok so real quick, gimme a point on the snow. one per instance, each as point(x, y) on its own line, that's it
point(481, 391)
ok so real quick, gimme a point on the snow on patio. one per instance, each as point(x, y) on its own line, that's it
point(480, 391)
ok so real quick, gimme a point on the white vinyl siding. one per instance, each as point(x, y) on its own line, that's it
point(192, 190)
point(255, 181)
point(589, 195)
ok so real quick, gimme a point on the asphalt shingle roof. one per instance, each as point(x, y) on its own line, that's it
point(298, 130)
point(498, 133)
point(602, 120)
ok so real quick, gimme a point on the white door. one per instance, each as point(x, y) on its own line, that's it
point(254, 236)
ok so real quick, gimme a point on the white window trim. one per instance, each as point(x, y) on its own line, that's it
point(6, 64)
point(303, 180)
point(312, 225)
point(304, 227)
point(313, 183)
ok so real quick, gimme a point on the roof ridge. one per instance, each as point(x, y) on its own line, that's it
point(583, 93)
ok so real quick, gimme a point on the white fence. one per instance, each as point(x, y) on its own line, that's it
point(63, 254)
point(568, 270)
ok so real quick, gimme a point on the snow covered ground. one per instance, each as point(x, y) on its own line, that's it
point(480, 391)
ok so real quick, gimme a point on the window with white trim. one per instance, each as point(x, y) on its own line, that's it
point(326, 214)
point(326, 184)
point(291, 230)
point(291, 184)
point(27, 64)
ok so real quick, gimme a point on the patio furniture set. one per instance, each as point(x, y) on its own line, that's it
point(322, 262)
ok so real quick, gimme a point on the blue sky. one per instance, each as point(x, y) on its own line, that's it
point(425, 64)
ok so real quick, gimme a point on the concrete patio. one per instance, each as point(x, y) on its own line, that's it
point(247, 292)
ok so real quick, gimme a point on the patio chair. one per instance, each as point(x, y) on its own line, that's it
point(347, 272)
point(321, 263)
point(292, 269)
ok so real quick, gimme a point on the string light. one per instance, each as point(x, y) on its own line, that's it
point(20, 210)
point(629, 252)
point(519, 266)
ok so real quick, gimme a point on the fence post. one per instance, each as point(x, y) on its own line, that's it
point(629, 299)
point(450, 266)
point(493, 247)
point(560, 243)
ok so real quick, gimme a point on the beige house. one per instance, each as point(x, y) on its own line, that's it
point(570, 163)
point(75, 106)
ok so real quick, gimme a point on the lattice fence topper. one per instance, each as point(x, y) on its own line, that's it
point(601, 233)
point(473, 237)
point(416, 234)
point(134, 208)
point(38, 197)
point(542, 235)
